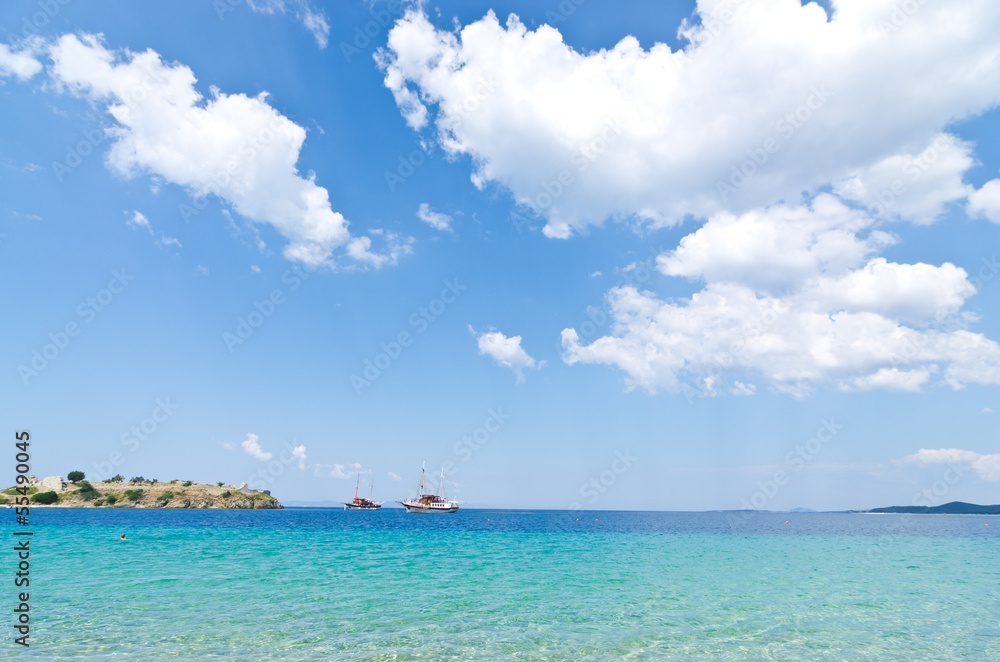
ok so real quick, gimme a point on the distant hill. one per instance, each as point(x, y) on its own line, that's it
point(953, 508)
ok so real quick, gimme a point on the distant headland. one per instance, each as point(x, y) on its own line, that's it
point(953, 508)
point(139, 492)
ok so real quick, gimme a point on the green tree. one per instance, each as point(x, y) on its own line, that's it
point(74, 476)
point(135, 480)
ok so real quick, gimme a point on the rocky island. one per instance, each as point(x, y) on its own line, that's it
point(138, 492)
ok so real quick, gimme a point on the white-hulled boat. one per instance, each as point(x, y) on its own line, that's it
point(361, 503)
point(430, 503)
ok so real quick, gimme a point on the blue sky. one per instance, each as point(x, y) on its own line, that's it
point(642, 255)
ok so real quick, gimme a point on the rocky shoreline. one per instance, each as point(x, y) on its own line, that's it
point(173, 494)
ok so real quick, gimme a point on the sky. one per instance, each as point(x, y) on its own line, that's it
point(577, 255)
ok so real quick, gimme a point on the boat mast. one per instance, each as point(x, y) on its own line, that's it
point(356, 486)
point(371, 496)
point(422, 467)
point(441, 485)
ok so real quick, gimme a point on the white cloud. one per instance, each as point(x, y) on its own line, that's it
point(19, 63)
point(986, 410)
point(254, 268)
point(251, 446)
point(393, 476)
point(506, 352)
point(793, 295)
point(913, 186)
point(595, 274)
point(229, 446)
point(652, 133)
point(139, 220)
point(201, 270)
point(774, 249)
point(436, 220)
point(233, 146)
point(312, 18)
point(986, 201)
point(345, 471)
point(299, 453)
point(986, 467)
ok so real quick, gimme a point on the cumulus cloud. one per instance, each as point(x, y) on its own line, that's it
point(916, 187)
point(393, 476)
point(20, 63)
point(251, 446)
point(986, 201)
point(659, 134)
point(506, 352)
point(233, 146)
point(312, 18)
point(436, 220)
point(986, 467)
point(794, 295)
point(299, 453)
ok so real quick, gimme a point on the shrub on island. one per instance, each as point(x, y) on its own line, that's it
point(133, 495)
point(187, 483)
point(45, 498)
point(87, 491)
point(112, 499)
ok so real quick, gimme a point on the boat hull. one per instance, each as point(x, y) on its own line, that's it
point(422, 508)
point(348, 506)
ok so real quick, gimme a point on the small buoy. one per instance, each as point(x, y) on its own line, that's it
point(786, 521)
point(595, 519)
point(577, 519)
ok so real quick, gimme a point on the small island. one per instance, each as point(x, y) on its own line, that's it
point(138, 492)
point(953, 508)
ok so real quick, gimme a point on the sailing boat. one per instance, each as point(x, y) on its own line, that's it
point(430, 503)
point(361, 503)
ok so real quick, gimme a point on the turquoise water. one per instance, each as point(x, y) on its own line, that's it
point(303, 584)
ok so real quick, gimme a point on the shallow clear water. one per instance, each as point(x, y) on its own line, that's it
point(316, 584)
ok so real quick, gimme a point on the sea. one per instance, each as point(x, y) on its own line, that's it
point(325, 584)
